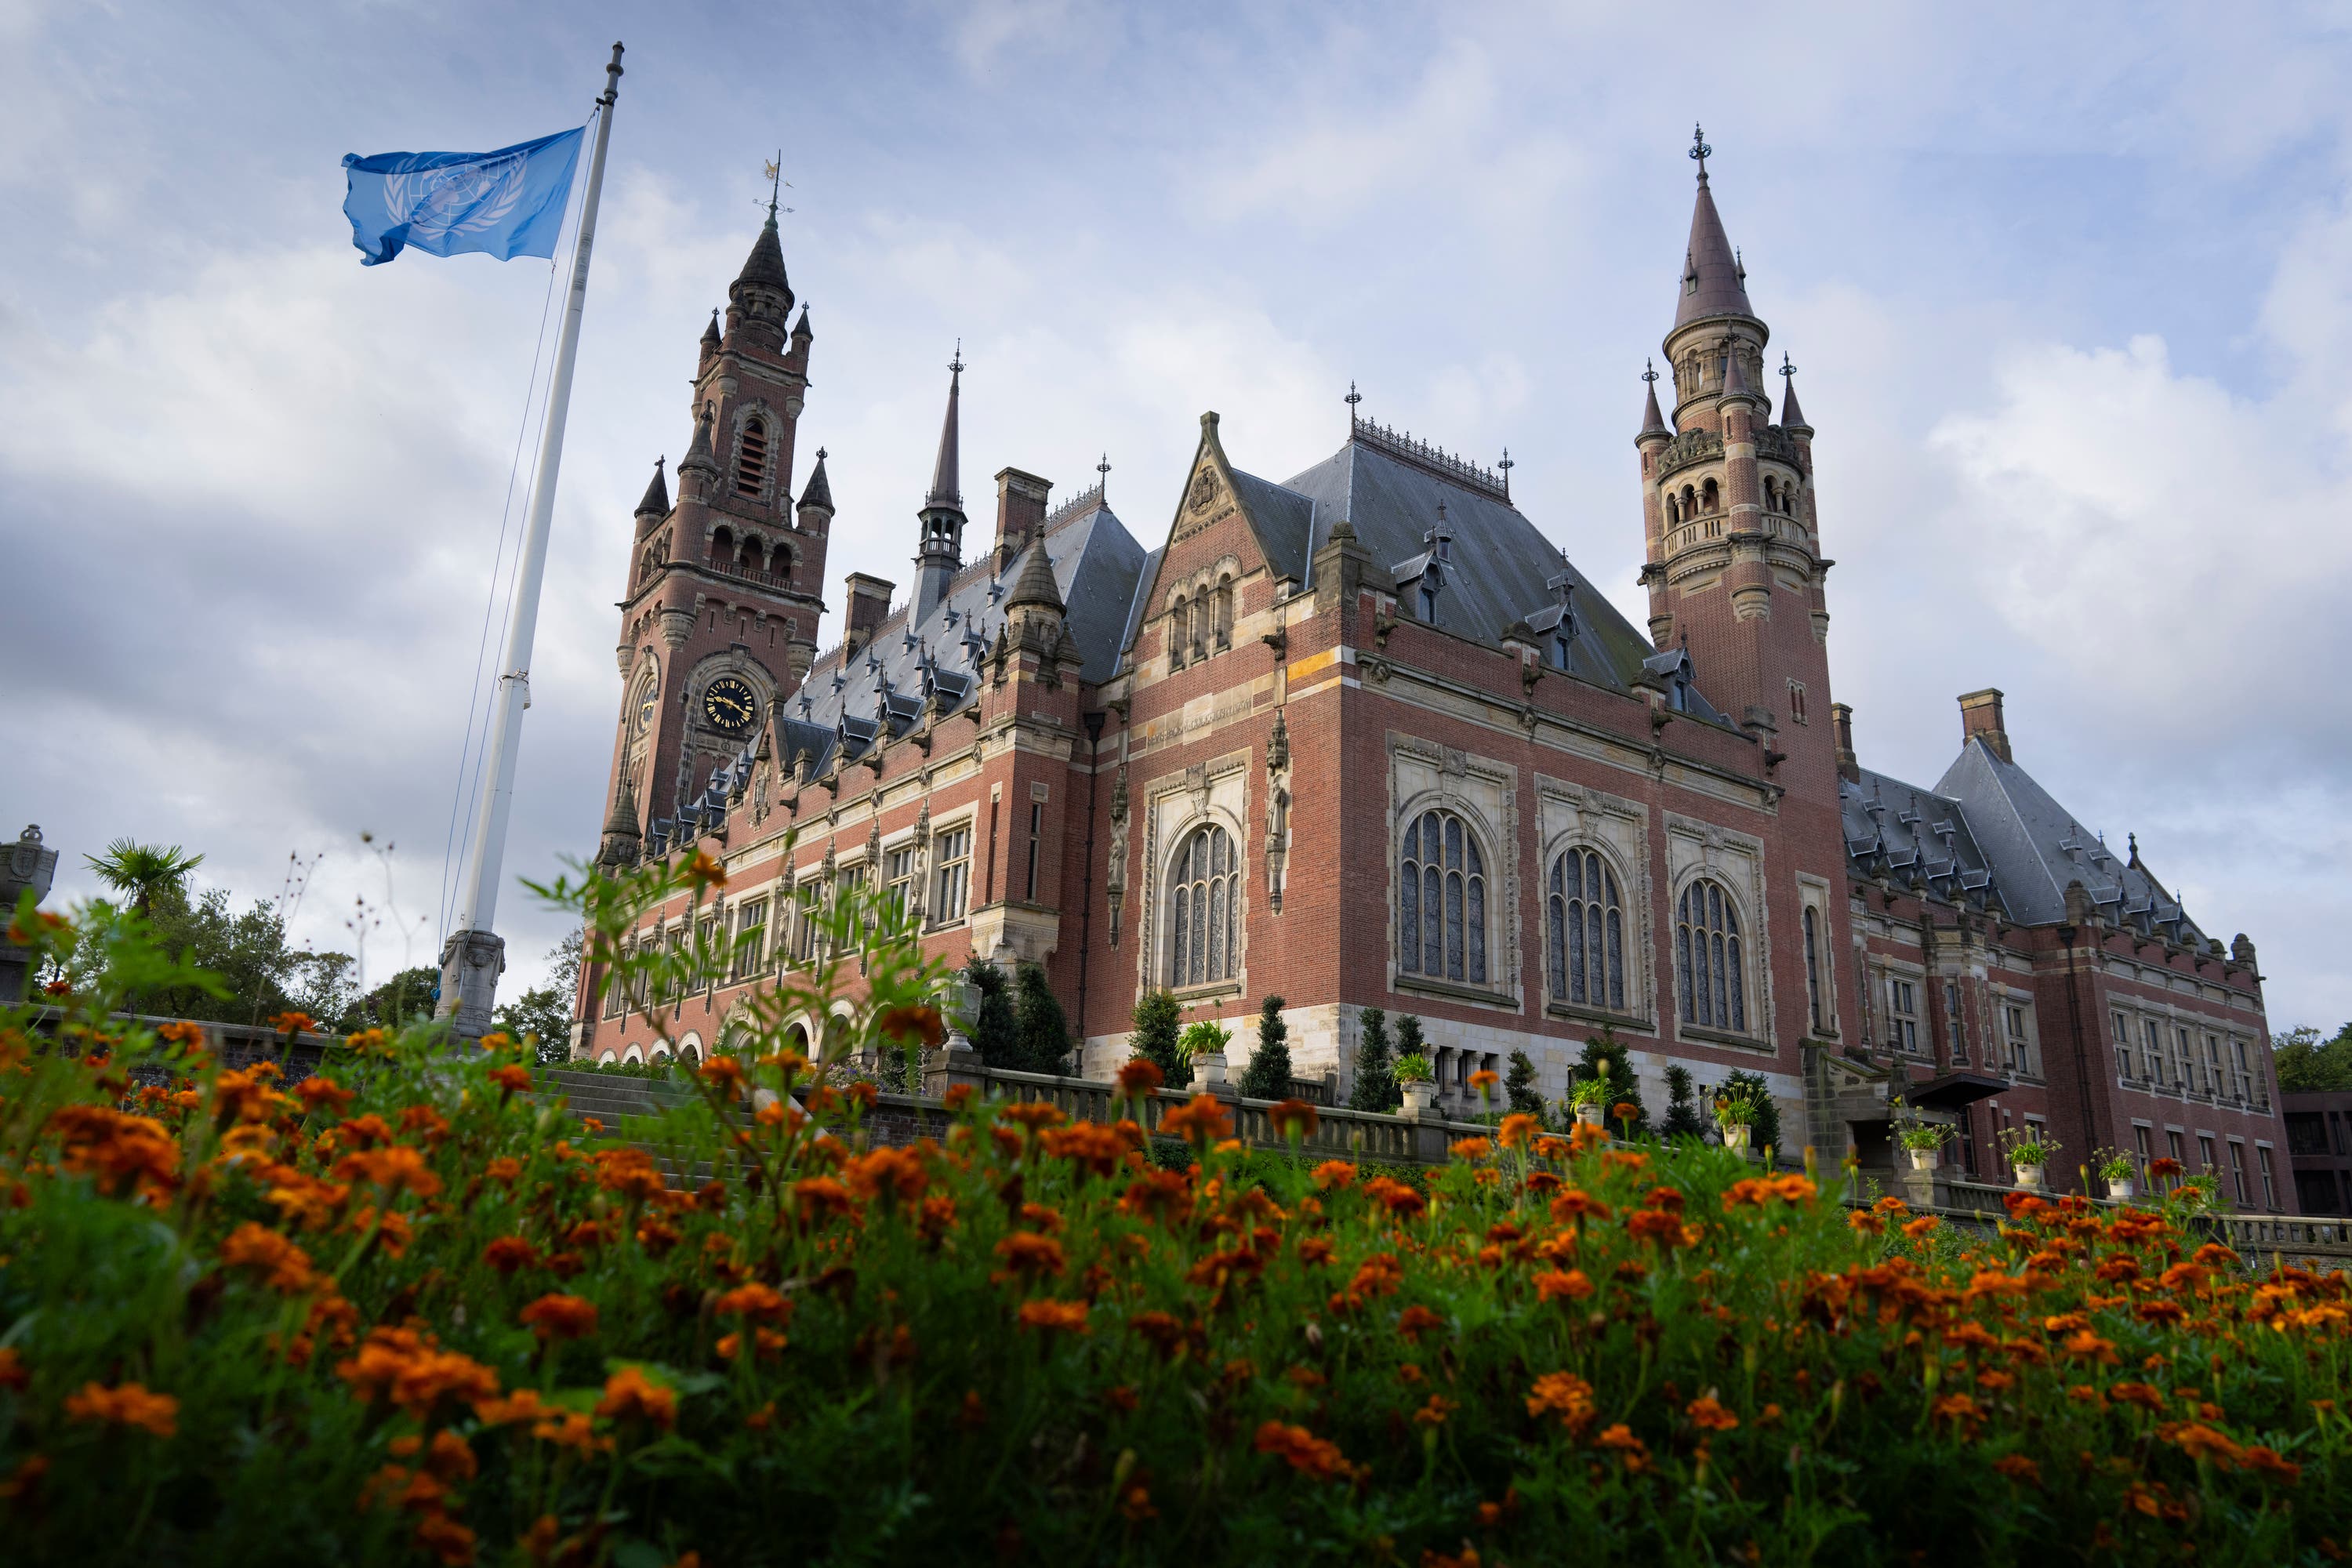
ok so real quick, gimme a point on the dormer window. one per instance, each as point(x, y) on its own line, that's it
point(1429, 585)
point(751, 458)
point(1560, 652)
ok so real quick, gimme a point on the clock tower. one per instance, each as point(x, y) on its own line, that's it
point(719, 618)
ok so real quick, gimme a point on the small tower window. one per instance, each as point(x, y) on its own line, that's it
point(752, 460)
point(1180, 630)
point(1708, 497)
point(722, 546)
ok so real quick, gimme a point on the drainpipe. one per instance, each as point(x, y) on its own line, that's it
point(2074, 1026)
point(1094, 723)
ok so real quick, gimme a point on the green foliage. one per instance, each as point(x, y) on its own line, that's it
point(1268, 1076)
point(1765, 1119)
point(1202, 1036)
point(1375, 1087)
point(237, 967)
point(1520, 1086)
point(995, 1028)
point(1605, 1060)
point(1413, 1068)
point(997, 1349)
point(1158, 1022)
point(143, 871)
point(1042, 1037)
point(541, 1016)
point(1682, 1120)
point(2309, 1064)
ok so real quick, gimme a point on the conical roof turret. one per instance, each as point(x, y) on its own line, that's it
point(1035, 585)
point(1735, 375)
point(1791, 417)
point(1654, 423)
point(947, 480)
point(765, 267)
point(657, 497)
point(1713, 281)
point(818, 497)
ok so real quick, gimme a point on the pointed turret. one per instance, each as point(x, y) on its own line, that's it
point(656, 502)
point(765, 267)
point(1792, 418)
point(801, 331)
point(759, 301)
point(621, 840)
point(818, 496)
point(1735, 375)
point(1654, 423)
point(938, 546)
point(1035, 585)
point(698, 471)
point(1714, 283)
point(947, 481)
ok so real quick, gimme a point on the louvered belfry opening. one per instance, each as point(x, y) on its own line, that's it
point(751, 465)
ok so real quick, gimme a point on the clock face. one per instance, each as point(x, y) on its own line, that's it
point(646, 711)
point(730, 705)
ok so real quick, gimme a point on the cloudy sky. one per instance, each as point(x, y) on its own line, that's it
point(2070, 288)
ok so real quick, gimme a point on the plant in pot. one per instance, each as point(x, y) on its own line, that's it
point(1735, 1113)
point(1420, 1084)
point(1205, 1039)
point(2028, 1150)
point(1589, 1097)
point(1924, 1139)
point(2119, 1170)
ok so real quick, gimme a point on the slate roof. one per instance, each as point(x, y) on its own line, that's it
point(1722, 286)
point(1987, 832)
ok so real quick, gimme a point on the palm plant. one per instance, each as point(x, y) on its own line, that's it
point(144, 871)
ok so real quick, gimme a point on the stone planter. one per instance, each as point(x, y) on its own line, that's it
point(1735, 1136)
point(1420, 1095)
point(2029, 1178)
point(2121, 1191)
point(1924, 1159)
point(1589, 1114)
point(1208, 1071)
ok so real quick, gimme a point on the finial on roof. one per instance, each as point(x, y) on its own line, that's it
point(1507, 466)
point(1102, 485)
point(657, 498)
point(1352, 398)
point(2133, 840)
point(819, 493)
point(1700, 150)
point(1653, 422)
point(1791, 417)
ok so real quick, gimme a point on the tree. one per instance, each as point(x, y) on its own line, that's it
point(1682, 1120)
point(1042, 1037)
point(254, 974)
point(1268, 1076)
point(1605, 1056)
point(144, 871)
point(995, 1030)
point(1408, 1042)
point(411, 994)
point(544, 1011)
point(1157, 1019)
point(1520, 1086)
point(2309, 1064)
point(1375, 1087)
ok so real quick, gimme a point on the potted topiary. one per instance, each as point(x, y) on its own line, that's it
point(2119, 1171)
point(2029, 1149)
point(1924, 1139)
point(1414, 1077)
point(1202, 1046)
point(1589, 1097)
point(1735, 1114)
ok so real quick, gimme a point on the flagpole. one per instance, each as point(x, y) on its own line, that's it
point(474, 955)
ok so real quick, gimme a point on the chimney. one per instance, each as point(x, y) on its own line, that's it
point(1020, 512)
point(1849, 765)
point(1981, 715)
point(869, 603)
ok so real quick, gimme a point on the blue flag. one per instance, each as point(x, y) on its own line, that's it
point(509, 203)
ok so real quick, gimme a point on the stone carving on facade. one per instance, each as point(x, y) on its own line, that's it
point(1277, 810)
point(1115, 879)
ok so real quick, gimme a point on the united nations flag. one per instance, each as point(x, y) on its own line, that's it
point(507, 204)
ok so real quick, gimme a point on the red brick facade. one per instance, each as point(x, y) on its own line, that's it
point(1284, 713)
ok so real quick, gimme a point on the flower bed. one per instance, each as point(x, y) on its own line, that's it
point(394, 1318)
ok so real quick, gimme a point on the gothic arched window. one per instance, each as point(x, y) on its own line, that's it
point(1204, 910)
point(1442, 900)
point(1709, 497)
point(722, 546)
point(1813, 967)
point(1180, 632)
point(1224, 613)
point(1586, 926)
point(751, 458)
point(1707, 959)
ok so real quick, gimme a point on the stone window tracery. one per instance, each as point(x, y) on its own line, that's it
point(1203, 915)
point(1708, 959)
point(1585, 921)
point(1442, 900)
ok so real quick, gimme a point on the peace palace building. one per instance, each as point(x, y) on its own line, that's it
point(1363, 737)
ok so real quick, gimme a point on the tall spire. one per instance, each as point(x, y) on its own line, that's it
point(1713, 282)
point(947, 482)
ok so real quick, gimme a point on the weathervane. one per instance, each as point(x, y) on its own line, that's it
point(776, 182)
point(1650, 370)
point(1507, 466)
point(1786, 368)
point(1700, 150)
point(955, 365)
point(1352, 398)
point(1102, 485)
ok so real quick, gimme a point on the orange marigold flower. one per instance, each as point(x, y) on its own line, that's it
point(1439, 1407)
point(1335, 1173)
point(2020, 1469)
point(820, 1196)
point(723, 1072)
point(1303, 1452)
point(629, 1392)
point(130, 1404)
point(1961, 1409)
point(1027, 1252)
point(1710, 1414)
point(1397, 1197)
point(1294, 1119)
point(1069, 1317)
point(2091, 1347)
point(1658, 1226)
point(414, 1372)
point(513, 1078)
point(293, 1022)
point(1566, 1394)
point(1517, 1130)
point(702, 872)
point(1629, 1448)
point(2146, 1396)
point(958, 1096)
point(2202, 1443)
point(324, 1094)
point(906, 1024)
point(1098, 1147)
point(2160, 1169)
point(392, 1167)
point(1140, 1076)
point(628, 1172)
point(1917, 1228)
point(1037, 1115)
point(1472, 1148)
point(507, 1253)
point(1135, 1503)
point(1867, 1222)
point(264, 1251)
point(2266, 1461)
point(1202, 1120)
point(1576, 1204)
point(1571, 1286)
point(556, 1316)
point(1624, 1110)
point(1417, 1320)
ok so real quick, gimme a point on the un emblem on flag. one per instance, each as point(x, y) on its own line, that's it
point(457, 199)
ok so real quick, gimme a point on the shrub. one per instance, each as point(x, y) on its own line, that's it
point(1520, 1086)
point(996, 1028)
point(1157, 1021)
point(1268, 1076)
point(1605, 1060)
point(1375, 1087)
point(1765, 1123)
point(1042, 1035)
point(1681, 1108)
point(394, 1316)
